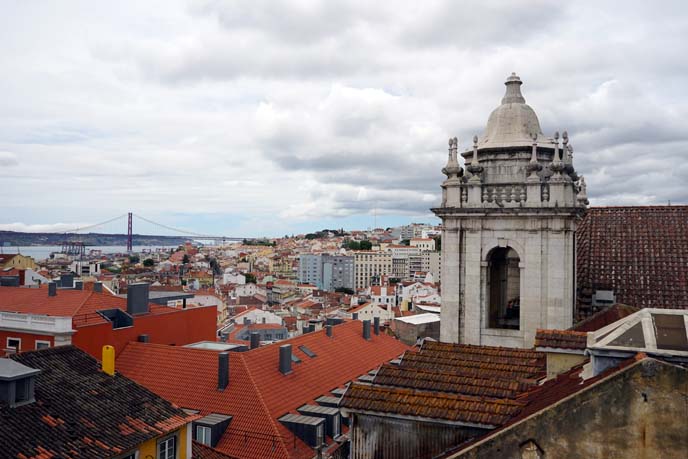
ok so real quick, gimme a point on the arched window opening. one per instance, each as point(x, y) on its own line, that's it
point(504, 289)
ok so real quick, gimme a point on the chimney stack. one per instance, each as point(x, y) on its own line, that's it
point(354, 316)
point(67, 280)
point(255, 340)
point(222, 370)
point(366, 330)
point(285, 359)
point(52, 288)
point(78, 285)
point(328, 330)
point(311, 328)
point(376, 325)
point(98, 287)
point(137, 298)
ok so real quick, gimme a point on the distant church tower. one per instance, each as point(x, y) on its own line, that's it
point(508, 254)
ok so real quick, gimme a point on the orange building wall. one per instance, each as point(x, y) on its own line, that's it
point(28, 340)
point(180, 327)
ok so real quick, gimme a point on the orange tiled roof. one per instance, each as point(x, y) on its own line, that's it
point(561, 339)
point(258, 394)
point(452, 382)
point(79, 304)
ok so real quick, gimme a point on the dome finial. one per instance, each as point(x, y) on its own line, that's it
point(513, 90)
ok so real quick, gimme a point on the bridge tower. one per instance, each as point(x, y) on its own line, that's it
point(130, 236)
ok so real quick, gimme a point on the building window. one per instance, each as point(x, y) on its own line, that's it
point(203, 435)
point(167, 448)
point(14, 343)
point(134, 455)
point(40, 344)
point(504, 288)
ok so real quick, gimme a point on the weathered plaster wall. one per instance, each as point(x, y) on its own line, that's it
point(558, 363)
point(641, 413)
point(376, 437)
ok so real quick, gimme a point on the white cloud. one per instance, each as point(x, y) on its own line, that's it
point(316, 110)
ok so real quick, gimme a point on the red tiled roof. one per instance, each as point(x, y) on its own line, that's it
point(200, 451)
point(434, 405)
point(453, 382)
point(258, 394)
point(641, 253)
point(79, 304)
point(561, 339)
point(605, 317)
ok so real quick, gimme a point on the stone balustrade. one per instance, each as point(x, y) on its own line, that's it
point(35, 322)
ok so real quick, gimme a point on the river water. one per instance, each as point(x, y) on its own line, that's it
point(41, 252)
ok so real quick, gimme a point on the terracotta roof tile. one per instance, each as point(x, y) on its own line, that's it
point(433, 405)
point(80, 408)
point(641, 253)
point(258, 394)
point(561, 339)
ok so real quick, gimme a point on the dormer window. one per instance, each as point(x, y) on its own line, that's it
point(17, 383)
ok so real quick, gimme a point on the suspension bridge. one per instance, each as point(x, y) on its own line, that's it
point(130, 233)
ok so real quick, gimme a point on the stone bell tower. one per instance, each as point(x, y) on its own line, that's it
point(509, 220)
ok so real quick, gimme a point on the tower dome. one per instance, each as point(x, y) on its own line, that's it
point(513, 123)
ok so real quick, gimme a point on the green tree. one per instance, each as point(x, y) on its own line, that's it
point(148, 262)
point(348, 291)
point(185, 260)
point(311, 236)
point(250, 278)
point(366, 245)
point(353, 245)
point(134, 259)
point(405, 242)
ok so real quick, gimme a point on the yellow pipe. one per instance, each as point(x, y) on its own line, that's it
point(109, 360)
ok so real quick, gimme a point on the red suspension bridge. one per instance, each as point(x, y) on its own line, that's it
point(130, 234)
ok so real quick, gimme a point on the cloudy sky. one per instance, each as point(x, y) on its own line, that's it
point(257, 117)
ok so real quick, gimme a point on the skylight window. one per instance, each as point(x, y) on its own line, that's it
point(295, 359)
point(670, 331)
point(307, 351)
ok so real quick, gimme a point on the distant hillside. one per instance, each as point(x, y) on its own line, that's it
point(15, 238)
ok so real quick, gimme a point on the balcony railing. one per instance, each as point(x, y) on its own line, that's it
point(35, 322)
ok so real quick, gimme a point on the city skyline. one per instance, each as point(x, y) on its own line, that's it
point(264, 119)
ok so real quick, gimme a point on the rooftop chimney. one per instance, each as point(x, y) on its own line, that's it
point(354, 316)
point(52, 288)
point(98, 287)
point(137, 298)
point(255, 340)
point(366, 329)
point(78, 285)
point(222, 370)
point(285, 359)
point(376, 325)
point(328, 330)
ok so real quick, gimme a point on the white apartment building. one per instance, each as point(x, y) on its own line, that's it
point(369, 266)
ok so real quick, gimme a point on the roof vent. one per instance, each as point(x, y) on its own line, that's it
point(603, 298)
point(143, 338)
point(366, 329)
point(78, 285)
point(285, 359)
point(328, 330)
point(52, 288)
point(255, 340)
point(17, 383)
point(98, 287)
point(222, 370)
point(376, 325)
